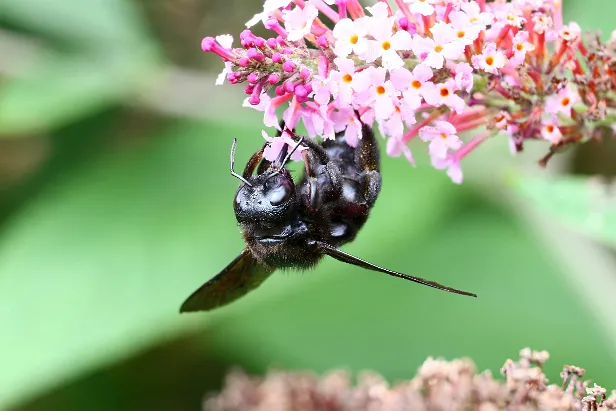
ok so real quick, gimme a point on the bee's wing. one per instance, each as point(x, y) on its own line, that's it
point(238, 278)
point(350, 259)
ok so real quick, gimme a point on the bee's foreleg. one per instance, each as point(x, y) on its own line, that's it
point(256, 159)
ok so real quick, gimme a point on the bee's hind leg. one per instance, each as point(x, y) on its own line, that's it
point(368, 158)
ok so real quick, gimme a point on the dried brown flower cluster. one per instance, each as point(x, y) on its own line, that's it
point(438, 385)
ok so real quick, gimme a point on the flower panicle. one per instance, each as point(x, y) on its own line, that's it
point(437, 385)
point(416, 67)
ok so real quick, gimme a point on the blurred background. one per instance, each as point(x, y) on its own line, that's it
point(115, 204)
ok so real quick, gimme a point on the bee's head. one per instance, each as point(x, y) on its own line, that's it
point(270, 198)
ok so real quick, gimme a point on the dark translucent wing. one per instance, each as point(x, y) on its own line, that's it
point(349, 259)
point(234, 281)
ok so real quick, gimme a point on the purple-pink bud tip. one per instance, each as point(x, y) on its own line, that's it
point(259, 42)
point(273, 78)
point(252, 78)
point(403, 22)
point(270, 23)
point(271, 42)
point(243, 61)
point(287, 50)
point(254, 54)
point(289, 87)
point(280, 91)
point(301, 91)
point(288, 66)
point(322, 41)
point(254, 100)
point(277, 57)
point(208, 43)
point(249, 89)
point(305, 73)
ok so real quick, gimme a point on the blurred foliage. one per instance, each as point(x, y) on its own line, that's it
point(112, 210)
point(586, 205)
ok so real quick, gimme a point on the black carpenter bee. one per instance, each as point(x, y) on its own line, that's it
point(287, 225)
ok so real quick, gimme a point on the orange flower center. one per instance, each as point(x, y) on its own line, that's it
point(565, 102)
point(397, 109)
point(549, 128)
point(380, 90)
point(438, 49)
point(354, 39)
point(489, 60)
point(519, 46)
point(460, 34)
point(386, 45)
point(444, 92)
point(444, 136)
point(416, 84)
point(347, 78)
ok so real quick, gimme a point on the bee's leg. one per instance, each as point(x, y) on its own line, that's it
point(323, 178)
point(368, 158)
point(255, 160)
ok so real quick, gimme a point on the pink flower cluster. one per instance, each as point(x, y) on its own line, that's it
point(427, 68)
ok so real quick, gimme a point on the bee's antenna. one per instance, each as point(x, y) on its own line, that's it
point(288, 157)
point(233, 173)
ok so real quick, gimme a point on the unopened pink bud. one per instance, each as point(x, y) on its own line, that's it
point(271, 42)
point(403, 22)
point(246, 38)
point(249, 89)
point(252, 78)
point(280, 91)
point(255, 99)
point(270, 23)
point(208, 43)
point(301, 99)
point(273, 78)
point(255, 55)
point(243, 62)
point(288, 66)
point(287, 51)
point(232, 78)
point(259, 42)
point(305, 73)
point(322, 41)
point(301, 91)
point(277, 57)
point(289, 87)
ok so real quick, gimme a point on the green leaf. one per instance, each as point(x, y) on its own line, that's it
point(581, 203)
point(97, 266)
point(94, 53)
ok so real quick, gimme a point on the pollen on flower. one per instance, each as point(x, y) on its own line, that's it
point(510, 68)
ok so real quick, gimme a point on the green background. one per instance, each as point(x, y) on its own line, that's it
point(115, 204)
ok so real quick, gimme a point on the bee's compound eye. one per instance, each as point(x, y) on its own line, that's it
point(280, 194)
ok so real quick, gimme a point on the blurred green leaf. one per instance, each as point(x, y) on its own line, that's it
point(589, 16)
point(581, 203)
point(97, 266)
point(93, 53)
